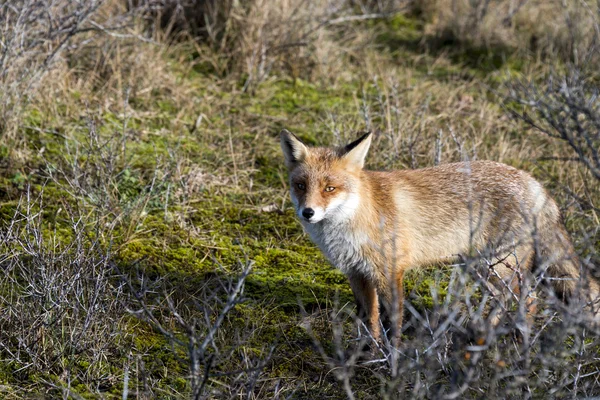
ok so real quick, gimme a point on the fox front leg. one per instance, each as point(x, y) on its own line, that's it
point(392, 298)
point(367, 302)
point(397, 313)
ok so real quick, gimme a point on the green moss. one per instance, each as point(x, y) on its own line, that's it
point(399, 30)
point(7, 372)
point(420, 284)
point(270, 171)
point(293, 273)
point(297, 99)
point(163, 249)
point(4, 154)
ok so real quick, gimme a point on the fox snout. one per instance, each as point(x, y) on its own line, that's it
point(311, 215)
point(307, 213)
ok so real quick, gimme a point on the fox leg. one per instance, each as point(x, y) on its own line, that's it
point(367, 302)
point(392, 295)
point(396, 314)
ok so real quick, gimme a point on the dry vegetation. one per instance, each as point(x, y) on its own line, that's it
point(147, 244)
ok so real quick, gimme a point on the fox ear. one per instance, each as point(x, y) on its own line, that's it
point(293, 149)
point(356, 151)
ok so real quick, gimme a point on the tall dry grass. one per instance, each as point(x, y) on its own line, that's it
point(564, 29)
point(301, 38)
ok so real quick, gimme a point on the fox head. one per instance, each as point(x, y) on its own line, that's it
point(325, 183)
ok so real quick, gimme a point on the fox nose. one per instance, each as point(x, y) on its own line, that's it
point(308, 213)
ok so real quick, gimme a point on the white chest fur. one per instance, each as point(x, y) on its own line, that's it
point(342, 246)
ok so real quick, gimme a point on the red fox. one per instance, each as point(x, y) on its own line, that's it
point(374, 226)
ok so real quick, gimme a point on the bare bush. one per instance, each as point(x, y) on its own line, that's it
point(198, 327)
point(62, 298)
point(565, 108)
point(60, 309)
point(34, 39)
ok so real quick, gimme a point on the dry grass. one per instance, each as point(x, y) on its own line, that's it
point(547, 28)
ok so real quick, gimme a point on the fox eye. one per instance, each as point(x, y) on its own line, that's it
point(301, 186)
point(329, 189)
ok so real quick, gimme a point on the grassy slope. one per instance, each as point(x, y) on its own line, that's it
point(221, 175)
